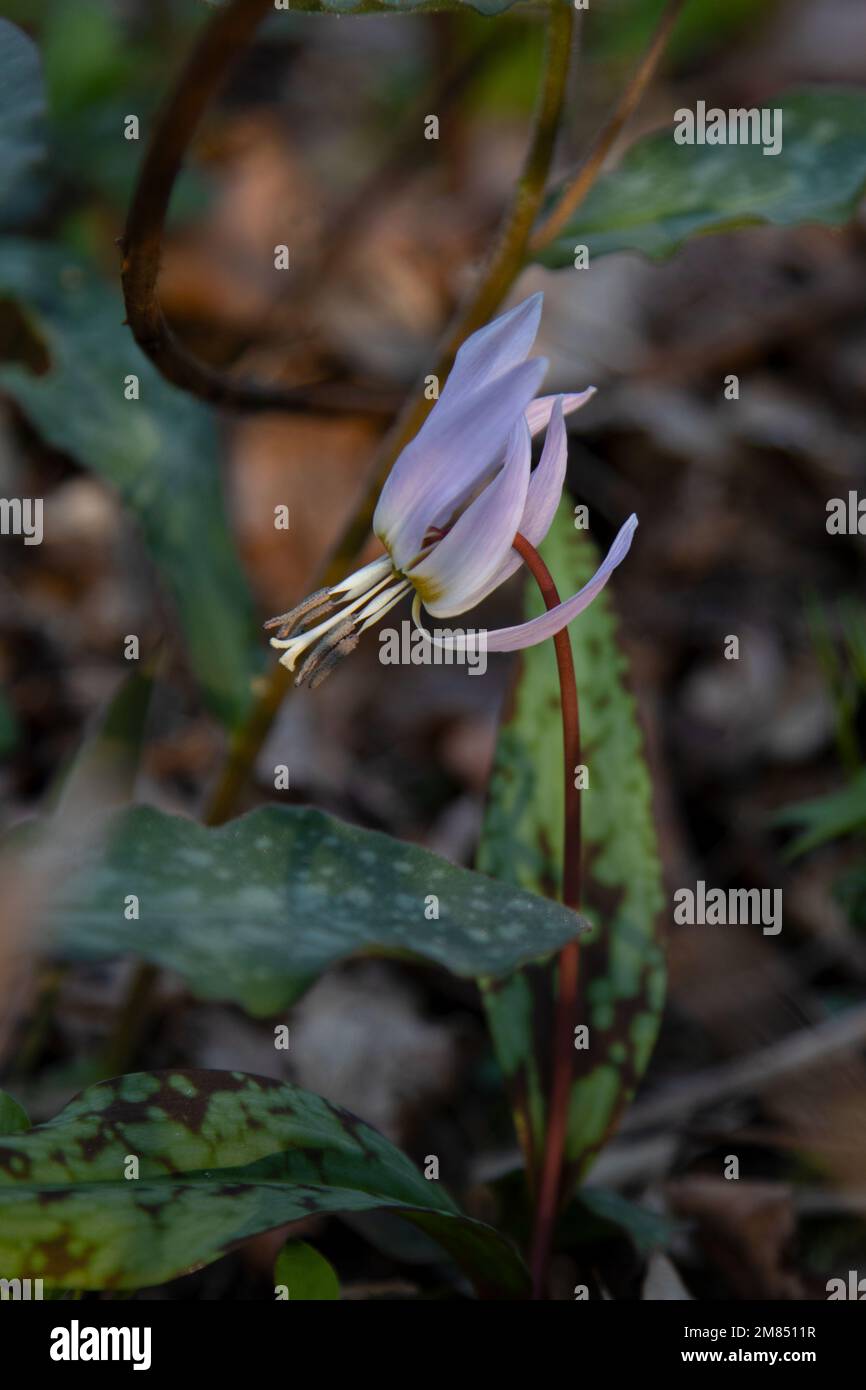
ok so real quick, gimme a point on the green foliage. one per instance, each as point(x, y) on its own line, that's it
point(840, 647)
point(221, 1156)
point(598, 1214)
point(663, 193)
point(159, 452)
point(305, 1274)
point(621, 29)
point(622, 966)
point(850, 892)
point(13, 1117)
point(10, 731)
point(827, 818)
point(84, 55)
point(254, 910)
point(22, 120)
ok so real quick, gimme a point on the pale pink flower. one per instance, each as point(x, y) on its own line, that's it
point(452, 504)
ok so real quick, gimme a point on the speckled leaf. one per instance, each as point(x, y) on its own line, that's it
point(22, 117)
point(221, 1157)
point(159, 452)
point(622, 966)
point(304, 1274)
point(254, 910)
point(663, 193)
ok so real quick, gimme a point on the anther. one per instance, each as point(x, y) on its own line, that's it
point(316, 606)
point(327, 652)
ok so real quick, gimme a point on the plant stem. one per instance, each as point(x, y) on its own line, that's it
point(569, 957)
point(589, 170)
point(503, 266)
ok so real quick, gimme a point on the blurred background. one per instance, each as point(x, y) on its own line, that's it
point(317, 142)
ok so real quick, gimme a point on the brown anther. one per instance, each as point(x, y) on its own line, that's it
point(316, 606)
point(326, 653)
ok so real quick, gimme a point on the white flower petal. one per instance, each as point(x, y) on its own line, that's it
point(463, 564)
point(510, 639)
point(538, 411)
point(542, 499)
point(494, 349)
point(448, 458)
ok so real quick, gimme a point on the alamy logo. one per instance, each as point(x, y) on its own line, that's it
point(737, 126)
point(846, 516)
point(714, 907)
point(22, 516)
point(77, 1343)
point(24, 1289)
point(414, 646)
point(854, 1288)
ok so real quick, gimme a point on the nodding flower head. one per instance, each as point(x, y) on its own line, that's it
point(452, 505)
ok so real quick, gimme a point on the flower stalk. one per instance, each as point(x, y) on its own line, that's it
point(569, 958)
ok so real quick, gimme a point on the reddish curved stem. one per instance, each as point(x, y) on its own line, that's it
point(569, 957)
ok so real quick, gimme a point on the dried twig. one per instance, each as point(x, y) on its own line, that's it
point(220, 44)
point(587, 173)
point(751, 1075)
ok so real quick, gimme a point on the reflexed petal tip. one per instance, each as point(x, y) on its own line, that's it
point(538, 411)
point(529, 634)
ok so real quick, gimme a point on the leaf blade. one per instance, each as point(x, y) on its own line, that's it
point(254, 910)
point(662, 193)
point(158, 452)
point(22, 117)
point(222, 1156)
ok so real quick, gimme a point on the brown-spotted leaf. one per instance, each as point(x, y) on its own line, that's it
point(147, 1176)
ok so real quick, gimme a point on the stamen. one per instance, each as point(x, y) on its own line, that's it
point(326, 652)
point(316, 605)
point(296, 645)
point(362, 580)
point(376, 610)
point(347, 645)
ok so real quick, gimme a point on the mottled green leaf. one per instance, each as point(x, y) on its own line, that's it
point(22, 117)
point(220, 1157)
point(622, 966)
point(663, 193)
point(160, 453)
point(254, 910)
point(13, 1117)
point(305, 1274)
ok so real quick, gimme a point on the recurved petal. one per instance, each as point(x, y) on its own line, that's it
point(493, 350)
point(538, 411)
point(462, 567)
point(448, 457)
point(509, 639)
